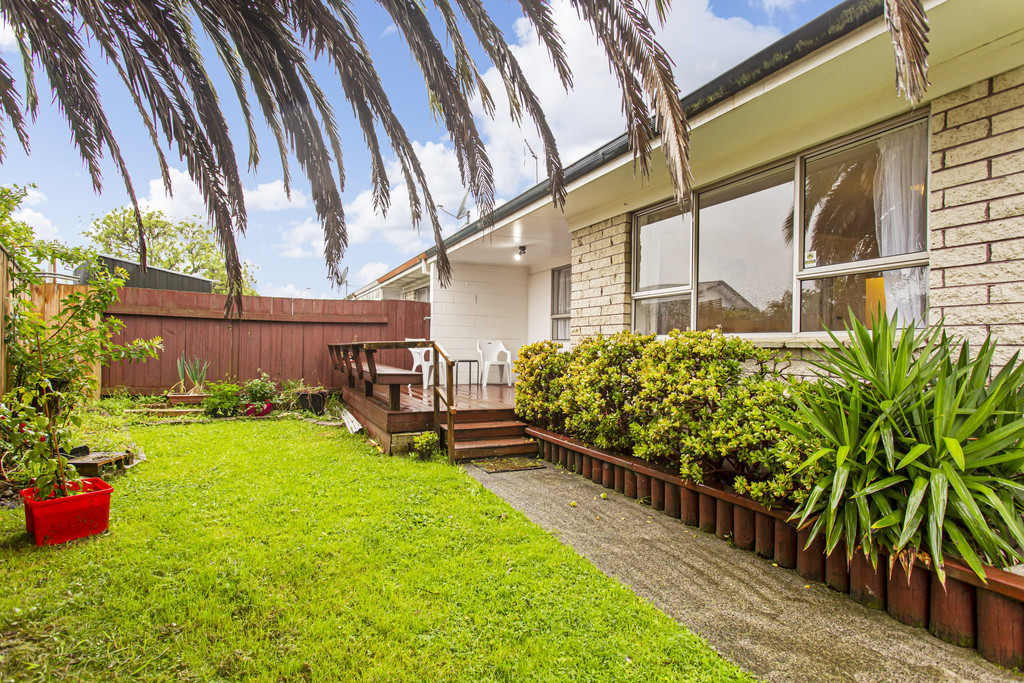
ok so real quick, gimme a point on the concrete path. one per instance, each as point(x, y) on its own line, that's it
point(764, 618)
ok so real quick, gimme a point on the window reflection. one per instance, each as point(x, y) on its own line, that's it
point(663, 314)
point(663, 249)
point(826, 303)
point(867, 201)
point(745, 259)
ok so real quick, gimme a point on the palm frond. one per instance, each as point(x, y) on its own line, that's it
point(266, 48)
point(908, 26)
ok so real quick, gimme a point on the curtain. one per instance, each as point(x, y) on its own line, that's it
point(899, 193)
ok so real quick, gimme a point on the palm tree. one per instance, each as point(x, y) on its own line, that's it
point(266, 46)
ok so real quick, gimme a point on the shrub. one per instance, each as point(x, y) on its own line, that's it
point(705, 408)
point(225, 400)
point(920, 449)
point(540, 368)
point(602, 380)
point(260, 389)
point(427, 445)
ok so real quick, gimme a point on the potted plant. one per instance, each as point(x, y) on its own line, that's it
point(259, 395)
point(54, 361)
point(194, 372)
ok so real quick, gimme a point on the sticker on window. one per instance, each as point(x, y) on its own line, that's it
point(810, 259)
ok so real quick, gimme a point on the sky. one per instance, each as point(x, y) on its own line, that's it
point(284, 239)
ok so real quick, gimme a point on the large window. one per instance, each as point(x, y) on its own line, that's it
point(561, 293)
point(744, 264)
point(662, 284)
point(864, 212)
point(796, 247)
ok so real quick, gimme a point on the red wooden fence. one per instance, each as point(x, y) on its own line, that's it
point(286, 338)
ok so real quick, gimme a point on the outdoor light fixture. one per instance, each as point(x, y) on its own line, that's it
point(522, 253)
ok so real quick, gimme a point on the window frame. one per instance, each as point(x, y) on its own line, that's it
point(798, 162)
point(554, 289)
point(659, 292)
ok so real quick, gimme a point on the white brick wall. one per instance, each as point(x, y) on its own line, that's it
point(483, 302)
point(977, 211)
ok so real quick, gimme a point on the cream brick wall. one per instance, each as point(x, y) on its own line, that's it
point(977, 211)
point(601, 271)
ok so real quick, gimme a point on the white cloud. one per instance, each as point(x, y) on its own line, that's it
point(389, 31)
point(369, 272)
point(186, 202)
point(8, 41)
point(44, 229)
point(303, 240)
point(289, 290)
point(272, 197)
point(701, 44)
point(34, 197)
point(773, 6)
point(366, 225)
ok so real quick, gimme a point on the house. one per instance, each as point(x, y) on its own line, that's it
point(817, 189)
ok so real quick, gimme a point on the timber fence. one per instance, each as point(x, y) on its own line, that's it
point(286, 338)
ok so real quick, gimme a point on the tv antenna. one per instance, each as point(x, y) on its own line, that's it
point(344, 280)
point(536, 163)
point(463, 212)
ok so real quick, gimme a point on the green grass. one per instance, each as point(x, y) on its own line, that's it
point(284, 551)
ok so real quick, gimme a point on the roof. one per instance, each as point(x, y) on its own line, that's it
point(837, 22)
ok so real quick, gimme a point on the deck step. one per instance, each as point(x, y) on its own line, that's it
point(486, 448)
point(474, 431)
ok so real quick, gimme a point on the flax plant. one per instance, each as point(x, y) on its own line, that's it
point(922, 451)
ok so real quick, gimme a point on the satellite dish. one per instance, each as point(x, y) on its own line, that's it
point(344, 280)
point(462, 213)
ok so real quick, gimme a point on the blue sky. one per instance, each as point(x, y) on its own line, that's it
point(284, 240)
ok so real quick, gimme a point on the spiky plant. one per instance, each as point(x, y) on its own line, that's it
point(266, 48)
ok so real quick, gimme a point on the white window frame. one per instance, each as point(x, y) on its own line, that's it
point(800, 273)
point(560, 316)
point(661, 292)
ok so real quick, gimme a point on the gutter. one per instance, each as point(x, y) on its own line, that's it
point(837, 22)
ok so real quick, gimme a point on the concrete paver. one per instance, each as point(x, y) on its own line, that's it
point(764, 618)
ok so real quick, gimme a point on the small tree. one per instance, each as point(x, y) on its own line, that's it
point(187, 246)
point(53, 359)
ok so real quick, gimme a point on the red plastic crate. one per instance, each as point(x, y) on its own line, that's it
point(58, 520)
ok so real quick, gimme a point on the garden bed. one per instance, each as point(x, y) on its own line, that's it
point(970, 613)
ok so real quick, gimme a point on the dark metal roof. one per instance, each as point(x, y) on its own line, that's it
point(153, 278)
point(837, 22)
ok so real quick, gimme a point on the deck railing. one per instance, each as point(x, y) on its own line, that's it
point(441, 394)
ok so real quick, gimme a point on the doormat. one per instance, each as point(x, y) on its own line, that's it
point(513, 463)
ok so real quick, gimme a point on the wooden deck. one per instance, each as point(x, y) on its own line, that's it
point(416, 409)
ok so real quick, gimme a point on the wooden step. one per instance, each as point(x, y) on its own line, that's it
point(480, 415)
point(488, 448)
point(475, 431)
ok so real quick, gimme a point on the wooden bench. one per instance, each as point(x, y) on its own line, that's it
point(357, 363)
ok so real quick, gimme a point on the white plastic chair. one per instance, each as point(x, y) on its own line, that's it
point(490, 352)
point(421, 359)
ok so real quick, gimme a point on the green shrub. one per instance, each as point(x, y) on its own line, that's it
point(705, 408)
point(260, 390)
point(602, 380)
point(427, 445)
point(540, 368)
point(225, 400)
point(920, 449)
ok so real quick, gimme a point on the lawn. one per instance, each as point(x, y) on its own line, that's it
point(286, 551)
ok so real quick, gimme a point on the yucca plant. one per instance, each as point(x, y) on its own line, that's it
point(194, 370)
point(921, 450)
